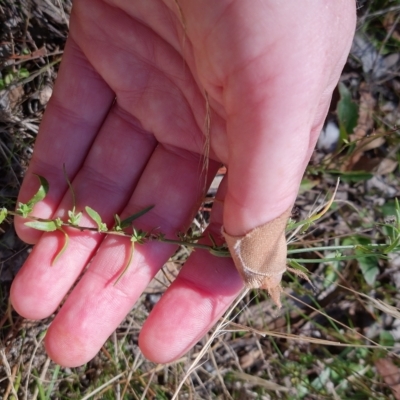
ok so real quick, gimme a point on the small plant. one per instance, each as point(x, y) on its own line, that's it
point(11, 77)
point(121, 227)
point(124, 227)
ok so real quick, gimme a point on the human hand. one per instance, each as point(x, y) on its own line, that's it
point(268, 70)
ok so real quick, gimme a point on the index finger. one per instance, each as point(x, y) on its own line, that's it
point(69, 126)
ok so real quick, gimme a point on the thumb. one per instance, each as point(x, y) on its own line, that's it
point(264, 173)
point(276, 105)
point(276, 110)
point(268, 155)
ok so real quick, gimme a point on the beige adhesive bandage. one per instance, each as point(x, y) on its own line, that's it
point(260, 255)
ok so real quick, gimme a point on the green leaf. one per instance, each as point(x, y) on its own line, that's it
point(96, 218)
point(221, 251)
point(330, 275)
point(138, 236)
point(295, 265)
point(52, 382)
point(3, 214)
point(307, 184)
point(347, 112)
point(26, 209)
point(39, 386)
point(74, 218)
point(132, 248)
point(8, 79)
point(391, 212)
point(128, 221)
point(352, 176)
point(61, 252)
point(320, 381)
point(41, 193)
point(368, 265)
point(23, 73)
point(46, 226)
point(386, 339)
point(117, 225)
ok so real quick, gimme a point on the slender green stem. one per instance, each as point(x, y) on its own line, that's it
point(219, 251)
point(125, 234)
point(333, 259)
point(182, 243)
point(333, 248)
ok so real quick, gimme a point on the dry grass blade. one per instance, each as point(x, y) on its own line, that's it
point(146, 389)
point(303, 338)
point(255, 380)
point(103, 386)
point(8, 372)
point(315, 215)
point(378, 304)
point(31, 363)
point(218, 330)
point(374, 344)
point(219, 375)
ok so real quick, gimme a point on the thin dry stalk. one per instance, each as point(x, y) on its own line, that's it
point(317, 213)
point(103, 386)
point(28, 375)
point(147, 386)
point(378, 304)
point(357, 333)
point(220, 378)
point(8, 372)
point(42, 377)
point(116, 351)
point(65, 18)
point(218, 330)
point(255, 380)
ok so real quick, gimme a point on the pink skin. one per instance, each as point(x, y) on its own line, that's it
point(268, 68)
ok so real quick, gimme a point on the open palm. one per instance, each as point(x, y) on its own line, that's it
point(146, 89)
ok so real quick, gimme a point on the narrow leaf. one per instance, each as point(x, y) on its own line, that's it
point(347, 112)
point(61, 252)
point(117, 226)
point(95, 217)
point(52, 382)
point(41, 193)
point(127, 264)
point(74, 218)
point(3, 214)
point(369, 266)
point(317, 216)
point(128, 221)
point(46, 226)
point(295, 265)
point(24, 209)
point(220, 251)
point(352, 176)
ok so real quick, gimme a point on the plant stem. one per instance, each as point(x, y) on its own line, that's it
point(220, 251)
point(333, 248)
point(124, 234)
point(183, 243)
point(333, 259)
